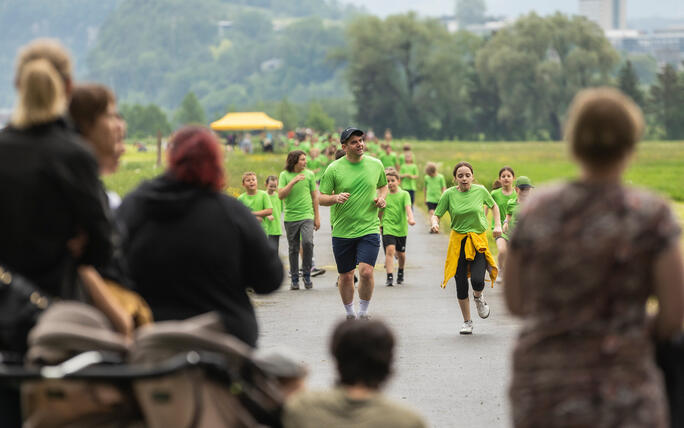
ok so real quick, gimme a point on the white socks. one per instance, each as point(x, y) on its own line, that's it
point(350, 309)
point(363, 306)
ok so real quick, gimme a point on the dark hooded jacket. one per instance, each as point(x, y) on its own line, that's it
point(49, 192)
point(192, 250)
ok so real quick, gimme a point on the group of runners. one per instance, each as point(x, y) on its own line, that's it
point(371, 192)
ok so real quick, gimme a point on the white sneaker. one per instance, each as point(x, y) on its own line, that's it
point(482, 306)
point(467, 327)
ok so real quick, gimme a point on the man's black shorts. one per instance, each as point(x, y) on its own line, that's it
point(398, 241)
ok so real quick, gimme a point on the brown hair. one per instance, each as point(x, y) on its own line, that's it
point(271, 177)
point(88, 102)
point(463, 163)
point(248, 174)
point(496, 184)
point(430, 168)
point(292, 159)
point(506, 168)
point(603, 126)
point(42, 73)
point(392, 172)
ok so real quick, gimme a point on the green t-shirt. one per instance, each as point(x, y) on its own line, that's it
point(273, 227)
point(358, 216)
point(318, 163)
point(408, 183)
point(257, 202)
point(502, 201)
point(402, 159)
point(298, 205)
point(466, 208)
point(389, 160)
point(433, 187)
point(394, 221)
point(512, 208)
point(305, 145)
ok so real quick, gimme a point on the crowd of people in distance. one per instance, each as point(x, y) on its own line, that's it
point(579, 260)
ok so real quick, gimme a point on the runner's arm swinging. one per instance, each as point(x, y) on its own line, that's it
point(317, 217)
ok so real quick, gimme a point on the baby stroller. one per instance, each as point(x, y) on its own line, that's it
point(80, 373)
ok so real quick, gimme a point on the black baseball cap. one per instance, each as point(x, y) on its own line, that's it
point(344, 136)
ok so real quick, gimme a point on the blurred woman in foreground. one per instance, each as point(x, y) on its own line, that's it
point(192, 249)
point(584, 258)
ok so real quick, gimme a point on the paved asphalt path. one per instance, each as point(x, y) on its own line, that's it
point(453, 380)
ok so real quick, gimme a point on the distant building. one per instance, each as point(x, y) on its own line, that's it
point(665, 45)
point(608, 14)
point(486, 29)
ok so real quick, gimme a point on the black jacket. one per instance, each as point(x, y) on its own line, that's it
point(192, 250)
point(49, 189)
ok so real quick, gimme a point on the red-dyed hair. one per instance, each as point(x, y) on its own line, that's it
point(195, 157)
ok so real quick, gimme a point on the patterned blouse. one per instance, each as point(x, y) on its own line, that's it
point(584, 355)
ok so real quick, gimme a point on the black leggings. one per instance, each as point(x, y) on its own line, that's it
point(477, 270)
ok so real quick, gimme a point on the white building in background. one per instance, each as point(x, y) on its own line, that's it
point(608, 14)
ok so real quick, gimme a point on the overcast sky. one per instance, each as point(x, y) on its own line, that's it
point(513, 8)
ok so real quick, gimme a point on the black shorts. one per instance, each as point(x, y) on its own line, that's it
point(431, 206)
point(398, 241)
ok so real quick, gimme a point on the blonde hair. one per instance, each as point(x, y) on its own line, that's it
point(603, 126)
point(42, 72)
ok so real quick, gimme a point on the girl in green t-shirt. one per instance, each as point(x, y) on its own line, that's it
point(256, 200)
point(501, 196)
point(408, 173)
point(464, 204)
point(272, 222)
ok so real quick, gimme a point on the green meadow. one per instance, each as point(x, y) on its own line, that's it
point(657, 165)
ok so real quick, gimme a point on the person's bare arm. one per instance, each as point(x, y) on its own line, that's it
point(329, 200)
point(435, 223)
point(409, 215)
point(506, 224)
point(512, 292)
point(496, 232)
point(263, 213)
point(285, 191)
point(317, 217)
point(669, 289)
point(380, 198)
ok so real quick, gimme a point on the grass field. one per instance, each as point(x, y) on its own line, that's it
point(657, 165)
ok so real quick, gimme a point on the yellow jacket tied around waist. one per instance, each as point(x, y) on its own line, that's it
point(476, 243)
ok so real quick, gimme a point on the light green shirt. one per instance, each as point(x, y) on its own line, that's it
point(433, 187)
point(389, 159)
point(273, 227)
point(318, 163)
point(408, 183)
point(502, 201)
point(358, 216)
point(257, 202)
point(466, 208)
point(394, 221)
point(298, 205)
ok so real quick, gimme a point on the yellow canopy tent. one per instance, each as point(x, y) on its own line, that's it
point(251, 121)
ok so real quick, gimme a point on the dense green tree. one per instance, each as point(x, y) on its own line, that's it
point(628, 82)
point(287, 113)
point(318, 119)
point(190, 111)
point(537, 65)
point(666, 102)
point(144, 121)
point(469, 12)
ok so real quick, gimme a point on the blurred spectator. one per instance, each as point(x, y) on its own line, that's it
point(583, 259)
point(364, 354)
point(192, 249)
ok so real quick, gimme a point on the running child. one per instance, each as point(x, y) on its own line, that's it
point(502, 196)
point(408, 174)
point(272, 222)
point(394, 219)
point(256, 200)
point(435, 185)
point(523, 186)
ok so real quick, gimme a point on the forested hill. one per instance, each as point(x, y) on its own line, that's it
point(74, 22)
point(228, 52)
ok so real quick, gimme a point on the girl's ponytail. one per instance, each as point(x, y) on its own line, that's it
point(41, 96)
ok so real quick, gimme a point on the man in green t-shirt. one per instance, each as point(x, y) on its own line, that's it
point(356, 185)
point(297, 188)
point(395, 218)
point(256, 200)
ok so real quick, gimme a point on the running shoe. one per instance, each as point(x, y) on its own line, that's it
point(482, 306)
point(317, 271)
point(351, 317)
point(365, 317)
point(389, 282)
point(467, 327)
point(307, 283)
point(294, 285)
point(400, 278)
